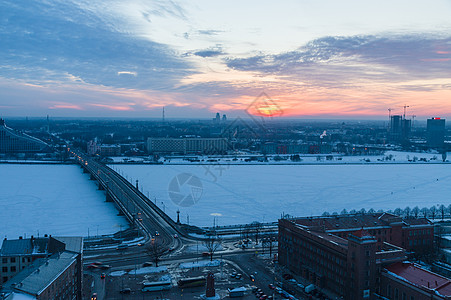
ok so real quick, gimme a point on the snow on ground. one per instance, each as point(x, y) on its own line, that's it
point(394, 157)
point(148, 270)
point(117, 273)
point(239, 194)
point(200, 248)
point(53, 199)
point(200, 264)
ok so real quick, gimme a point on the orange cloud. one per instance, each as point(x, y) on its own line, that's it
point(114, 107)
point(66, 106)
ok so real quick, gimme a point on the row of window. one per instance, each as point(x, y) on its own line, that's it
point(13, 259)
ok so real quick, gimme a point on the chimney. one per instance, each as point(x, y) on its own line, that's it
point(20, 237)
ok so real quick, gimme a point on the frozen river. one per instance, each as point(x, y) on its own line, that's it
point(237, 194)
point(53, 199)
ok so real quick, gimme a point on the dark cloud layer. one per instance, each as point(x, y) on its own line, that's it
point(40, 39)
point(408, 57)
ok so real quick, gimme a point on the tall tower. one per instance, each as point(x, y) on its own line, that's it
point(163, 114)
point(436, 132)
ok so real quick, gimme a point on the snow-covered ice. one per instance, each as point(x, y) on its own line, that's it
point(239, 194)
point(53, 199)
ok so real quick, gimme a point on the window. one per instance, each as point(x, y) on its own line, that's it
point(396, 294)
point(404, 296)
point(412, 298)
point(4, 269)
point(13, 268)
point(5, 279)
point(13, 259)
point(389, 290)
point(4, 260)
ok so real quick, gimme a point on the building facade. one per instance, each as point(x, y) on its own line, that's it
point(346, 254)
point(436, 132)
point(12, 141)
point(188, 145)
point(408, 281)
point(21, 259)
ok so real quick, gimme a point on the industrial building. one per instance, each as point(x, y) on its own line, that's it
point(13, 141)
point(188, 145)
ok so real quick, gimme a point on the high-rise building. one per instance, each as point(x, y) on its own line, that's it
point(436, 132)
point(224, 118)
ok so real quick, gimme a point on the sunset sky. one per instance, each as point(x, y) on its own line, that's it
point(313, 58)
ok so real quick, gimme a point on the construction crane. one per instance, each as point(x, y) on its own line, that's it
point(405, 106)
point(389, 113)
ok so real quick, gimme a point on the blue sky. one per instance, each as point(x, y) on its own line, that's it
point(351, 59)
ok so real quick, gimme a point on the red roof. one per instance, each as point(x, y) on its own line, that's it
point(418, 276)
point(362, 233)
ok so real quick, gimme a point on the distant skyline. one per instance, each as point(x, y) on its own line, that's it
point(315, 59)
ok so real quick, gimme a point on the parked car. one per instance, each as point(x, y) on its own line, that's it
point(102, 276)
point(147, 264)
point(125, 291)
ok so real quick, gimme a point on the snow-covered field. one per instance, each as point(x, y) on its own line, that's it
point(53, 199)
point(238, 194)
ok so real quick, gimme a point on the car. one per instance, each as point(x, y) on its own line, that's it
point(205, 254)
point(271, 286)
point(287, 276)
point(263, 297)
point(92, 266)
point(125, 290)
point(157, 233)
point(252, 278)
point(102, 276)
point(105, 267)
point(147, 264)
point(171, 249)
point(94, 296)
point(176, 236)
point(122, 247)
point(238, 276)
point(233, 275)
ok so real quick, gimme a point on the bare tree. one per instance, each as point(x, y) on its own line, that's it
point(256, 226)
point(407, 211)
point(344, 212)
point(398, 211)
point(433, 211)
point(425, 211)
point(212, 243)
point(371, 211)
point(155, 250)
point(416, 211)
point(269, 243)
point(442, 210)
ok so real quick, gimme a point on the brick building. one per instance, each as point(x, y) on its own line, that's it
point(29, 264)
point(346, 254)
point(408, 281)
point(412, 234)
